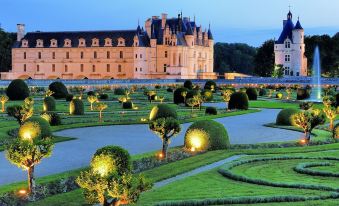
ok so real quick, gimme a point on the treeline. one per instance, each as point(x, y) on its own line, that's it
point(6, 42)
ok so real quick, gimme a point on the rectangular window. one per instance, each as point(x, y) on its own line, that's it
point(287, 45)
point(108, 55)
point(136, 56)
point(165, 67)
point(140, 56)
point(25, 68)
point(81, 55)
point(24, 55)
point(93, 68)
point(141, 69)
point(66, 68)
point(166, 54)
point(121, 54)
point(119, 68)
point(53, 67)
point(53, 55)
point(67, 55)
point(81, 68)
point(38, 68)
point(95, 55)
point(136, 69)
point(108, 68)
point(39, 55)
point(287, 58)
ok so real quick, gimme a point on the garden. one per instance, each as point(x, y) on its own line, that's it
point(195, 152)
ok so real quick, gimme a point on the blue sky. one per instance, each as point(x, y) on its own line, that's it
point(247, 21)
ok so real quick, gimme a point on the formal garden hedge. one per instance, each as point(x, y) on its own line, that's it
point(285, 116)
point(49, 104)
point(43, 124)
point(211, 134)
point(119, 91)
point(69, 97)
point(59, 89)
point(188, 84)
point(211, 111)
point(122, 159)
point(238, 100)
point(252, 93)
point(127, 105)
point(208, 95)
point(77, 107)
point(262, 92)
point(210, 85)
point(303, 93)
point(17, 90)
point(177, 97)
point(163, 111)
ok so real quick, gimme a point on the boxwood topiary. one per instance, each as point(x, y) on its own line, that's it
point(279, 95)
point(262, 92)
point(119, 91)
point(177, 97)
point(207, 94)
point(336, 131)
point(211, 111)
point(211, 135)
point(49, 104)
point(59, 89)
point(76, 107)
point(211, 85)
point(69, 97)
point(303, 94)
point(127, 105)
point(44, 126)
point(120, 156)
point(55, 119)
point(285, 116)
point(163, 111)
point(252, 93)
point(90, 93)
point(238, 100)
point(17, 90)
point(188, 84)
point(103, 96)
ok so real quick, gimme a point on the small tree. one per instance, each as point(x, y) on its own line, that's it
point(100, 107)
point(184, 94)
point(306, 105)
point(150, 95)
point(92, 99)
point(308, 120)
point(165, 128)
point(192, 102)
point(161, 99)
point(278, 71)
point(199, 99)
point(270, 92)
point(3, 100)
point(328, 101)
point(226, 95)
point(288, 92)
point(28, 150)
point(49, 93)
point(22, 112)
point(127, 93)
point(331, 114)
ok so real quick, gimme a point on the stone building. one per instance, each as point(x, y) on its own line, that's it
point(166, 48)
point(289, 49)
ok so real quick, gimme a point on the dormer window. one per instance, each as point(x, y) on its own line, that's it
point(39, 43)
point(24, 43)
point(54, 43)
point(121, 42)
point(136, 41)
point(108, 42)
point(95, 42)
point(67, 43)
point(82, 42)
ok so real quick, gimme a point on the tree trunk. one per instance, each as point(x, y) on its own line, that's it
point(91, 106)
point(308, 136)
point(164, 147)
point(3, 107)
point(100, 116)
point(331, 124)
point(31, 180)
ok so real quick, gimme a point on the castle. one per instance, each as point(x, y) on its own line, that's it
point(289, 49)
point(168, 48)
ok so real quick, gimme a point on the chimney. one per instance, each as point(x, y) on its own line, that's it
point(20, 31)
point(163, 20)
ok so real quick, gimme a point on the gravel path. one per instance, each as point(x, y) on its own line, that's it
point(137, 139)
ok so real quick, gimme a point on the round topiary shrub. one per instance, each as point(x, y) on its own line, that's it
point(127, 105)
point(238, 100)
point(120, 157)
point(279, 95)
point(69, 97)
point(76, 107)
point(17, 90)
point(285, 117)
point(119, 91)
point(44, 126)
point(303, 94)
point(211, 111)
point(208, 95)
point(252, 93)
point(55, 119)
point(262, 92)
point(90, 93)
point(163, 111)
point(206, 135)
point(169, 89)
point(59, 89)
point(103, 96)
point(49, 104)
point(177, 97)
point(188, 84)
point(192, 93)
point(336, 131)
point(210, 85)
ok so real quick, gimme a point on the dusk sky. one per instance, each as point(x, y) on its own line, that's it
point(246, 21)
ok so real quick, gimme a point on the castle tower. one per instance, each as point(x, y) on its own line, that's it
point(289, 49)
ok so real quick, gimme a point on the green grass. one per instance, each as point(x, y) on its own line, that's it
point(272, 104)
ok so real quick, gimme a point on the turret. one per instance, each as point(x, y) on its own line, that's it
point(189, 35)
point(298, 33)
point(153, 38)
point(163, 20)
point(20, 31)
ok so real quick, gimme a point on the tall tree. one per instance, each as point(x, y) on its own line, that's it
point(264, 59)
point(6, 42)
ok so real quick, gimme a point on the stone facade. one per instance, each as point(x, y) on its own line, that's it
point(168, 48)
point(289, 49)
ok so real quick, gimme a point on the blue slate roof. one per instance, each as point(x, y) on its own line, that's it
point(298, 25)
point(286, 32)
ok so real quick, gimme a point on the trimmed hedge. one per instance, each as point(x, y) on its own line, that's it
point(121, 157)
point(44, 126)
point(210, 84)
point(77, 107)
point(49, 104)
point(285, 116)
point(103, 96)
point(211, 110)
point(238, 100)
point(336, 131)
point(163, 111)
point(177, 97)
point(119, 91)
point(215, 137)
point(55, 119)
point(304, 168)
point(252, 93)
point(69, 97)
point(262, 92)
point(127, 105)
point(17, 90)
point(303, 94)
point(59, 89)
point(188, 84)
